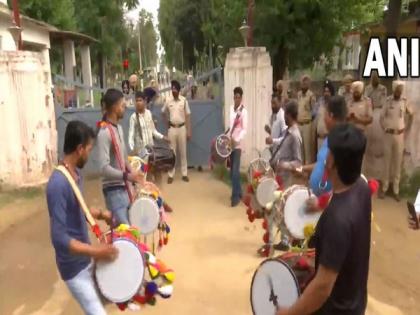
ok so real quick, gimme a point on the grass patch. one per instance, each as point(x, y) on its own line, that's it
point(9, 196)
point(222, 173)
point(410, 184)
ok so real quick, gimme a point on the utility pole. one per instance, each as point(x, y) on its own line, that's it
point(140, 61)
point(17, 26)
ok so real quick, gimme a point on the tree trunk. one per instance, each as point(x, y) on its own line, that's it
point(280, 62)
point(391, 22)
point(250, 21)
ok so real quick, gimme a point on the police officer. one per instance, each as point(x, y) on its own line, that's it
point(320, 111)
point(345, 89)
point(393, 123)
point(177, 112)
point(306, 101)
point(374, 133)
point(359, 108)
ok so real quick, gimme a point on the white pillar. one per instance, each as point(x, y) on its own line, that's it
point(69, 61)
point(250, 68)
point(87, 72)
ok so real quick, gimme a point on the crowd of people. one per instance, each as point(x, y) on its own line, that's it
point(324, 140)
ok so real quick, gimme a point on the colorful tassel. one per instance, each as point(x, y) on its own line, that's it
point(265, 224)
point(266, 237)
point(323, 200)
point(373, 185)
point(247, 200)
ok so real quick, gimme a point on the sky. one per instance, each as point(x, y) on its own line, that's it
point(151, 6)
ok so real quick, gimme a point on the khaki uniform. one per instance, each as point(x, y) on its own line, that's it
point(178, 111)
point(393, 122)
point(348, 96)
point(305, 104)
point(360, 109)
point(374, 133)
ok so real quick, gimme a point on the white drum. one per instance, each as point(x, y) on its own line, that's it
point(295, 215)
point(121, 279)
point(265, 191)
point(261, 166)
point(274, 285)
point(144, 214)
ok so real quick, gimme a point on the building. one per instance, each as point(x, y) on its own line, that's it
point(28, 134)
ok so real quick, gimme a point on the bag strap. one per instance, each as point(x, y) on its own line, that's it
point(279, 147)
point(236, 121)
point(119, 159)
point(89, 218)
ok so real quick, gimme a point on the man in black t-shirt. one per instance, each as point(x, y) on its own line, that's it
point(342, 237)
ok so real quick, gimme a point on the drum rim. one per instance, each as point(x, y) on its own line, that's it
point(281, 261)
point(143, 262)
point(149, 199)
point(217, 149)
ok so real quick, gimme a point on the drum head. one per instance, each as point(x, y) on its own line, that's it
point(265, 191)
point(259, 165)
point(295, 216)
point(273, 281)
point(121, 279)
point(144, 214)
point(223, 146)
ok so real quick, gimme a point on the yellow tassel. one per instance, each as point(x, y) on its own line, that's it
point(169, 276)
point(153, 272)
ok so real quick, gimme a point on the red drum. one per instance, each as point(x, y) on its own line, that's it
point(221, 149)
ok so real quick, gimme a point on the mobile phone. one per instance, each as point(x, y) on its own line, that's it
point(413, 213)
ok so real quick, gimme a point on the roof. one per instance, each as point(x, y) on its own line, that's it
point(79, 37)
point(55, 33)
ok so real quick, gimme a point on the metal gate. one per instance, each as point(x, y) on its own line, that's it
point(206, 120)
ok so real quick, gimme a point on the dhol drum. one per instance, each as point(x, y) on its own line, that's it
point(120, 280)
point(279, 282)
point(221, 149)
point(295, 215)
point(161, 157)
point(144, 213)
point(262, 178)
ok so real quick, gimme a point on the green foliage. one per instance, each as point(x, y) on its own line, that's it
point(296, 33)
point(410, 184)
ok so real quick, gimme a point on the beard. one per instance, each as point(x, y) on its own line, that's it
point(81, 162)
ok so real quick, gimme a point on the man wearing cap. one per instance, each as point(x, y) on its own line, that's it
point(360, 111)
point(177, 112)
point(306, 101)
point(320, 111)
point(360, 107)
point(345, 89)
point(393, 123)
point(374, 133)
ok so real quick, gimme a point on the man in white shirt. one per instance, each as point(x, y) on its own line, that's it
point(142, 130)
point(277, 125)
point(237, 131)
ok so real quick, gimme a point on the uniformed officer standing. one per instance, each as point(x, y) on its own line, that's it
point(280, 95)
point(306, 101)
point(360, 107)
point(345, 89)
point(177, 112)
point(393, 123)
point(374, 133)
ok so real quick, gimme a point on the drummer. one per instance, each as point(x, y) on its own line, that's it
point(342, 237)
point(277, 125)
point(112, 153)
point(142, 131)
point(336, 113)
point(69, 234)
point(286, 157)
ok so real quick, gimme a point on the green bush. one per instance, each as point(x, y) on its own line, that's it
point(410, 184)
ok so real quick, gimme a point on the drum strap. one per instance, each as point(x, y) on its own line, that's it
point(123, 167)
point(237, 119)
point(89, 218)
point(279, 147)
point(139, 126)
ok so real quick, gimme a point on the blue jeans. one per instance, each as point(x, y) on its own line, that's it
point(235, 174)
point(116, 200)
point(84, 291)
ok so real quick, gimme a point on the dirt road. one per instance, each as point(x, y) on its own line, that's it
point(212, 250)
